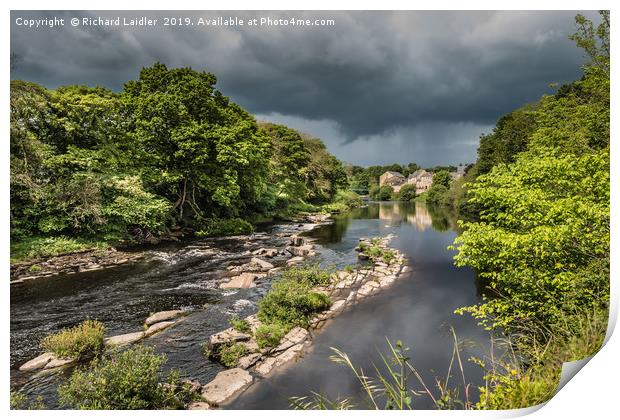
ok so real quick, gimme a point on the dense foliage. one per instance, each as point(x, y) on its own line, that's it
point(541, 240)
point(170, 150)
point(131, 380)
point(83, 340)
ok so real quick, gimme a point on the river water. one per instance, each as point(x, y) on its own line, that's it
point(417, 310)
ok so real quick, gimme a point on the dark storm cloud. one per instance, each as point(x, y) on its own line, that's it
point(422, 82)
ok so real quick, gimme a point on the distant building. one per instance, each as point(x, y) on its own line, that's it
point(421, 179)
point(459, 173)
point(393, 179)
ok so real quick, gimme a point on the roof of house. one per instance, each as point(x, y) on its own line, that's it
point(393, 173)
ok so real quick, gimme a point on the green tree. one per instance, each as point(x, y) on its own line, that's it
point(406, 193)
point(198, 149)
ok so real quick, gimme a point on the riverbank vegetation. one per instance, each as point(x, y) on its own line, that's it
point(535, 221)
point(91, 167)
point(129, 380)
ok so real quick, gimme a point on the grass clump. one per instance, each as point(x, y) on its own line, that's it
point(269, 335)
point(26, 249)
point(226, 227)
point(231, 353)
point(80, 341)
point(291, 304)
point(310, 274)
point(240, 325)
point(131, 380)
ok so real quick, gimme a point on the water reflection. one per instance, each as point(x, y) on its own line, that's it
point(416, 310)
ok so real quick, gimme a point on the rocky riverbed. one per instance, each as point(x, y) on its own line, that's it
point(260, 257)
point(345, 290)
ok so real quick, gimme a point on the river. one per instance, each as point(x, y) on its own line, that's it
point(417, 310)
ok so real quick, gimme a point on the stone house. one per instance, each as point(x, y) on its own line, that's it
point(393, 179)
point(421, 179)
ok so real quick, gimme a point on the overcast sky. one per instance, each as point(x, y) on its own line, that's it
point(377, 87)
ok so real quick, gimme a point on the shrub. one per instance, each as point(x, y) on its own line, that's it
point(343, 201)
point(383, 193)
point(437, 194)
point(310, 274)
point(83, 340)
point(240, 325)
point(406, 193)
point(131, 380)
point(291, 303)
point(226, 227)
point(269, 335)
point(231, 353)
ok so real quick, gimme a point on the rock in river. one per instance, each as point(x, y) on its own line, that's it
point(163, 316)
point(242, 281)
point(38, 362)
point(125, 339)
point(155, 328)
point(225, 385)
point(264, 265)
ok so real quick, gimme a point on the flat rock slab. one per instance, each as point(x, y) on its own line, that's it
point(295, 260)
point(38, 362)
point(264, 265)
point(271, 363)
point(155, 328)
point(225, 385)
point(295, 336)
point(163, 316)
point(226, 336)
point(58, 362)
point(125, 339)
point(242, 281)
point(248, 361)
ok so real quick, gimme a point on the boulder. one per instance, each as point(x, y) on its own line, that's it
point(274, 271)
point(264, 265)
point(242, 281)
point(299, 251)
point(163, 316)
point(266, 252)
point(296, 240)
point(224, 337)
point(295, 260)
point(225, 385)
point(124, 339)
point(155, 328)
point(248, 361)
point(38, 362)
